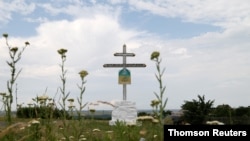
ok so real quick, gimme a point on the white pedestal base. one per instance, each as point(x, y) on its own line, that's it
point(124, 111)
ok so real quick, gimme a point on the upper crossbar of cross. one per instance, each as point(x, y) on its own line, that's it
point(124, 64)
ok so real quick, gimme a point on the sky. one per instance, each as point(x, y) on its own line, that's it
point(204, 48)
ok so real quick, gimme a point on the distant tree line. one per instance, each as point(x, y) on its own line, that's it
point(43, 112)
point(199, 111)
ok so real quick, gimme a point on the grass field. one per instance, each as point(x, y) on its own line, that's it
point(79, 130)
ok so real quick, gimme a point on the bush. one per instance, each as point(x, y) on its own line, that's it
point(39, 112)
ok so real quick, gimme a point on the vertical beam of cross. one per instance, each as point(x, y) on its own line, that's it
point(124, 66)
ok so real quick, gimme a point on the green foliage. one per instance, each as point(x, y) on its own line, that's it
point(228, 115)
point(242, 111)
point(223, 111)
point(196, 111)
point(142, 114)
point(40, 112)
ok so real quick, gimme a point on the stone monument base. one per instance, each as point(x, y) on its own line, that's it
point(124, 111)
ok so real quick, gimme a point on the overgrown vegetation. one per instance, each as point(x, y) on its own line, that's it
point(95, 130)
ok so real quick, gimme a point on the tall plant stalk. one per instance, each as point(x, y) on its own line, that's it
point(82, 88)
point(65, 95)
point(15, 56)
point(160, 96)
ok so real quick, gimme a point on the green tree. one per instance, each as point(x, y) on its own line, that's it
point(242, 115)
point(223, 110)
point(242, 111)
point(196, 111)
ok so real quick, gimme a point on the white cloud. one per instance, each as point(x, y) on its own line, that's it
point(21, 6)
point(5, 15)
point(39, 20)
point(182, 52)
point(79, 10)
point(17, 6)
point(117, 1)
point(224, 13)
